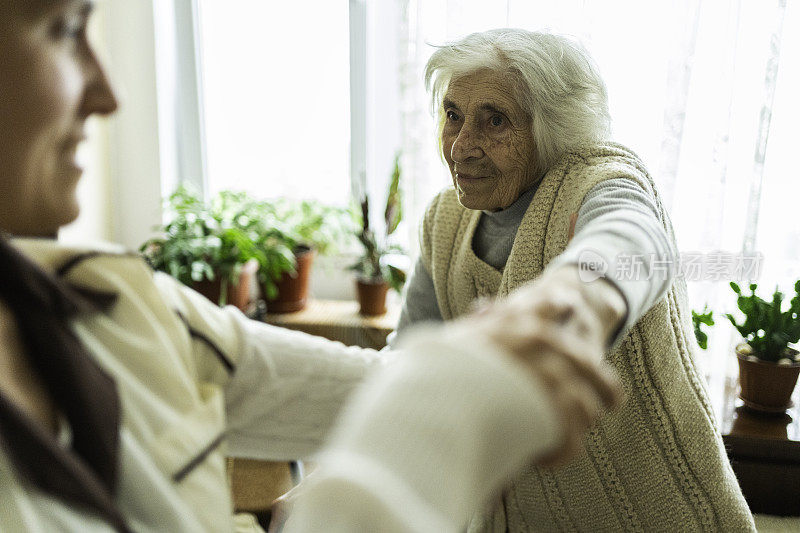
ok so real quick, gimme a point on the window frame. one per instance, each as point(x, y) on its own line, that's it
point(183, 97)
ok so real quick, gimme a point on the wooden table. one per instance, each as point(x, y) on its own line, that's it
point(765, 453)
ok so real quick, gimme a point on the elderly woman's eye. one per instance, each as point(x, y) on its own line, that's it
point(497, 120)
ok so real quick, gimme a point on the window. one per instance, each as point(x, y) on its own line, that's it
point(275, 97)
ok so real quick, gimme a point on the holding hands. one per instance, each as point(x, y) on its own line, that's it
point(559, 327)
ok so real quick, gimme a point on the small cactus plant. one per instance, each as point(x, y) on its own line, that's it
point(767, 328)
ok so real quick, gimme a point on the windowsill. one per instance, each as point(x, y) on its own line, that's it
point(339, 320)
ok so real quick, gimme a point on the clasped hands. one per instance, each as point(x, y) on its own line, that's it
point(559, 327)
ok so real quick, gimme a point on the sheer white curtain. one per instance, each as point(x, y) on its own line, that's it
point(704, 91)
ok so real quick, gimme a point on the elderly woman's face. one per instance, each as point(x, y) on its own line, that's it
point(487, 141)
point(51, 83)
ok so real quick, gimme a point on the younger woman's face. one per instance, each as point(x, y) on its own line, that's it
point(50, 83)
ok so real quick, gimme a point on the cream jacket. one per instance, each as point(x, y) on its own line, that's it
point(196, 383)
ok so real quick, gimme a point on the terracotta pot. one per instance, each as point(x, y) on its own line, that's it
point(237, 294)
point(372, 296)
point(293, 288)
point(765, 386)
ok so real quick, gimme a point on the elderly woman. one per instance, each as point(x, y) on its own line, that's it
point(118, 385)
point(525, 133)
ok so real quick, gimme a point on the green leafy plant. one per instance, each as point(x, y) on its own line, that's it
point(373, 265)
point(204, 241)
point(285, 227)
point(211, 240)
point(698, 319)
point(767, 328)
point(308, 223)
point(276, 256)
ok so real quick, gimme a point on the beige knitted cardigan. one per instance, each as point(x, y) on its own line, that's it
point(658, 462)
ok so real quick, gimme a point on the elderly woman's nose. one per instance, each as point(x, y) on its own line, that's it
point(466, 145)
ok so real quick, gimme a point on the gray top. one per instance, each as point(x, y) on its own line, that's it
point(617, 221)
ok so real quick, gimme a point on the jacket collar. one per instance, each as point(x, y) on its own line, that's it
point(45, 305)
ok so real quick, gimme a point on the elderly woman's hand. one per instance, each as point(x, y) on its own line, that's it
point(591, 311)
point(560, 327)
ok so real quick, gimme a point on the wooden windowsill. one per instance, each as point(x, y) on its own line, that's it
point(340, 320)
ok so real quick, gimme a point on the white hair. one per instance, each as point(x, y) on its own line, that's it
point(556, 82)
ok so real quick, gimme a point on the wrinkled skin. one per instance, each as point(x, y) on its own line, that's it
point(558, 325)
point(487, 141)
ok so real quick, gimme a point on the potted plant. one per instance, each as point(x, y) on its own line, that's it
point(375, 275)
point(768, 366)
point(277, 261)
point(307, 227)
point(206, 247)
